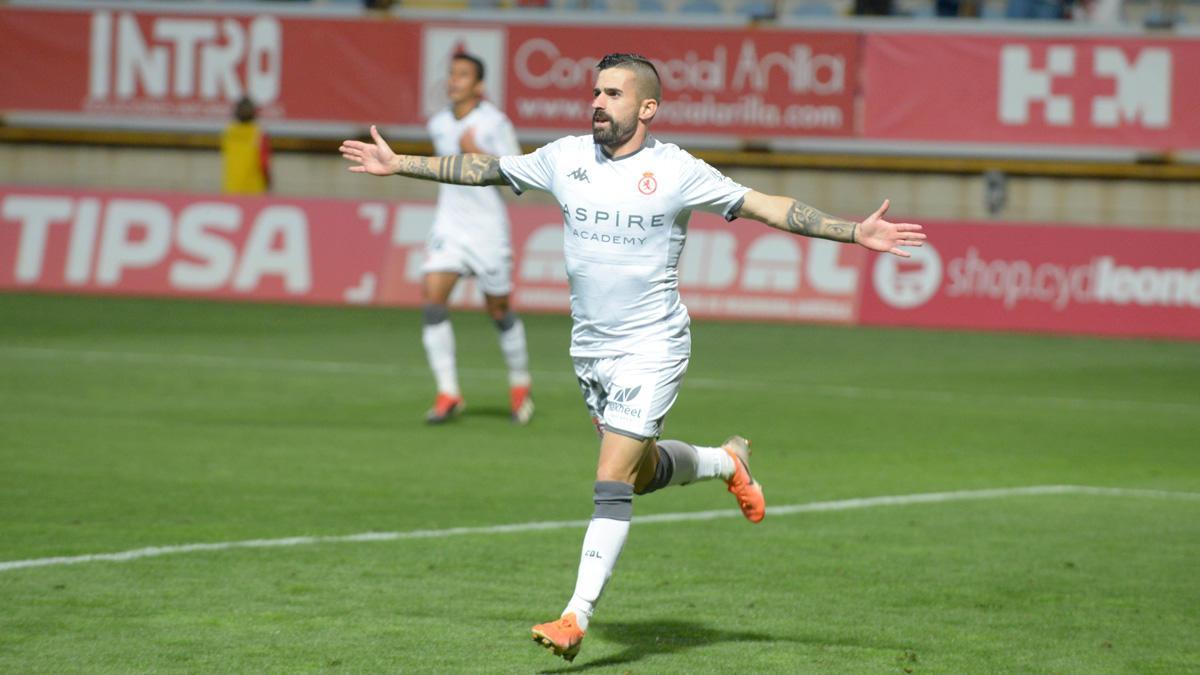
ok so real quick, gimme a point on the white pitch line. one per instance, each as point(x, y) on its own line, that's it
point(562, 376)
point(774, 511)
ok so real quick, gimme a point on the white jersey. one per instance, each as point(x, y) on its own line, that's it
point(470, 213)
point(625, 221)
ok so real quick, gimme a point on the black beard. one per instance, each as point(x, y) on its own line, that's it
point(614, 136)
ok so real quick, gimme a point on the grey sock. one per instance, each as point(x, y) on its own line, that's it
point(678, 463)
point(432, 314)
point(505, 322)
point(613, 499)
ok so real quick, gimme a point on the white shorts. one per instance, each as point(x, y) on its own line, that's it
point(630, 394)
point(490, 263)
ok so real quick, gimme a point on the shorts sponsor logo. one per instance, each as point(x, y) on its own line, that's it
point(619, 400)
point(624, 394)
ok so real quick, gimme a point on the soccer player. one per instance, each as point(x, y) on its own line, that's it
point(470, 236)
point(626, 198)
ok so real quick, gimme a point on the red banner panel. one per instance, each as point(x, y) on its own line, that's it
point(1041, 278)
point(338, 251)
point(192, 66)
point(1009, 89)
point(172, 244)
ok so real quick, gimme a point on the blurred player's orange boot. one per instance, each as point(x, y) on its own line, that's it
point(741, 484)
point(445, 407)
point(562, 637)
point(522, 405)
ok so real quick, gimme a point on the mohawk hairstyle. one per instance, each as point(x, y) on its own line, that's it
point(473, 60)
point(647, 75)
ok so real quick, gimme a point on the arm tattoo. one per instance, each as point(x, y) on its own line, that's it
point(471, 169)
point(804, 219)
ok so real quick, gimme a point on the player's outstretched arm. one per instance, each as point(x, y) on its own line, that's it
point(379, 160)
point(792, 215)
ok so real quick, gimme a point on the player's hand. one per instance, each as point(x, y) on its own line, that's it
point(880, 235)
point(467, 143)
point(373, 158)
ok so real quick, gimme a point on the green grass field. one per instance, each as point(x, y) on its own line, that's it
point(127, 424)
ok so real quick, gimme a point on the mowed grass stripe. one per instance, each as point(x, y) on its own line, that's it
point(563, 378)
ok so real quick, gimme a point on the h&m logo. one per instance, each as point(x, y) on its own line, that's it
point(580, 175)
point(625, 394)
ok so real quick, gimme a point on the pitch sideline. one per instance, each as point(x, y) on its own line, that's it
point(811, 507)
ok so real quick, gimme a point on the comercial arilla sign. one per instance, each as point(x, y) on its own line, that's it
point(971, 275)
point(731, 82)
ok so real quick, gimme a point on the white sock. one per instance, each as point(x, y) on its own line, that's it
point(713, 463)
point(601, 547)
point(512, 344)
point(439, 348)
point(695, 463)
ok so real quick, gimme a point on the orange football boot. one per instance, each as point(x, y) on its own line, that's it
point(445, 407)
point(562, 637)
point(522, 405)
point(741, 484)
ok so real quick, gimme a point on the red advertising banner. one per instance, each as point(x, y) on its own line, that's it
point(339, 251)
point(760, 84)
point(971, 275)
point(317, 73)
point(1018, 89)
point(1041, 278)
point(112, 63)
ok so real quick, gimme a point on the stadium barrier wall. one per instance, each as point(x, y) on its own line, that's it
point(1059, 94)
point(991, 276)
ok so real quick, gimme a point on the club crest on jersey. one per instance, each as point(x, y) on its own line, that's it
point(646, 184)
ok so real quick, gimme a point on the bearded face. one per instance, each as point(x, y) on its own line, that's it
point(614, 108)
point(611, 132)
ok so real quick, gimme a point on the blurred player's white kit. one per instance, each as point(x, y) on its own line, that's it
point(470, 233)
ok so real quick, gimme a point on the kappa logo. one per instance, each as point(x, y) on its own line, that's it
point(625, 394)
point(580, 175)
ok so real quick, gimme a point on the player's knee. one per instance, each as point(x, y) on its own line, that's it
point(664, 468)
point(504, 320)
point(433, 314)
point(613, 499)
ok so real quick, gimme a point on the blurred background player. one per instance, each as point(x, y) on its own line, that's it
point(245, 152)
point(470, 236)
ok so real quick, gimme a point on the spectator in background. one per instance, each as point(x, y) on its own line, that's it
point(873, 8)
point(1038, 9)
point(1099, 11)
point(245, 152)
point(963, 8)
